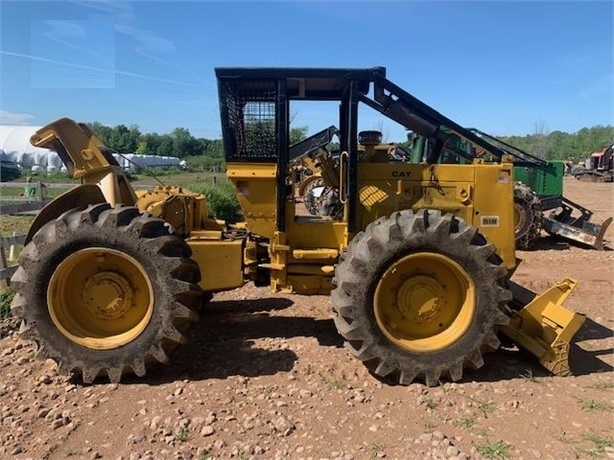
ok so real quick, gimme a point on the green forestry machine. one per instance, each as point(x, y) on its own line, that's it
point(417, 263)
point(543, 179)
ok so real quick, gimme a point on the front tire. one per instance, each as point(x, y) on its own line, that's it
point(106, 291)
point(418, 296)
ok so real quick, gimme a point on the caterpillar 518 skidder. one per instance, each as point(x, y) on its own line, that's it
point(417, 262)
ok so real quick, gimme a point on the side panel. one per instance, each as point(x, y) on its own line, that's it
point(384, 189)
point(545, 180)
point(220, 262)
point(256, 187)
point(494, 208)
point(315, 246)
point(480, 194)
point(302, 260)
point(313, 232)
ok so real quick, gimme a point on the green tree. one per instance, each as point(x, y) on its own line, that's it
point(103, 132)
point(165, 148)
point(149, 143)
point(184, 143)
point(124, 139)
point(210, 147)
point(559, 145)
point(298, 134)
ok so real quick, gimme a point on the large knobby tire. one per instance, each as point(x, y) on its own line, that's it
point(528, 216)
point(329, 204)
point(106, 291)
point(309, 199)
point(419, 296)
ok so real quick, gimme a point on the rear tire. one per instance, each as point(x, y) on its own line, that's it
point(106, 291)
point(528, 216)
point(309, 199)
point(418, 296)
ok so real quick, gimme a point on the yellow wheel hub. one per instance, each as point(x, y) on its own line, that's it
point(424, 302)
point(100, 298)
point(420, 298)
point(107, 295)
point(519, 217)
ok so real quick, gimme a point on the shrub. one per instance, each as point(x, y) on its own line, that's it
point(221, 199)
point(6, 297)
point(9, 174)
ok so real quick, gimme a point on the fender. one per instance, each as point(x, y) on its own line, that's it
point(80, 196)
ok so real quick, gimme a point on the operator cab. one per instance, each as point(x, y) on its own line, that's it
point(256, 106)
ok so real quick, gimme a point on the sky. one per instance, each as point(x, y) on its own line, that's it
point(507, 68)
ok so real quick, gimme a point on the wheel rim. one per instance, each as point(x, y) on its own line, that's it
point(100, 298)
point(519, 217)
point(424, 302)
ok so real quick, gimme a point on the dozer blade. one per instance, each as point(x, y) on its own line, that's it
point(543, 326)
point(587, 233)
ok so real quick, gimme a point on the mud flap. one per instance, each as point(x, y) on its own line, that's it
point(543, 326)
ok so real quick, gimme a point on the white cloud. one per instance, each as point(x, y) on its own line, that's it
point(12, 118)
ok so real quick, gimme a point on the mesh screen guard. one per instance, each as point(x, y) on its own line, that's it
point(249, 113)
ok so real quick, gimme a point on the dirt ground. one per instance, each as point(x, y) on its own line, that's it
point(267, 376)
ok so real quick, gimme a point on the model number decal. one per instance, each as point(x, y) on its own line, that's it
point(490, 221)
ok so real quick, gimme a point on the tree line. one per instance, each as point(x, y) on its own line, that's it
point(203, 153)
point(559, 145)
point(209, 153)
point(179, 143)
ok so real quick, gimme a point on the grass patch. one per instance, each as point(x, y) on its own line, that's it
point(336, 383)
point(375, 449)
point(182, 435)
point(494, 449)
point(487, 408)
point(18, 224)
point(11, 191)
point(465, 422)
point(70, 452)
point(270, 389)
point(592, 405)
point(480, 431)
point(599, 442)
point(602, 386)
point(428, 425)
point(430, 403)
point(528, 376)
point(6, 297)
point(55, 177)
